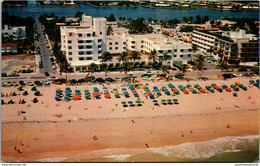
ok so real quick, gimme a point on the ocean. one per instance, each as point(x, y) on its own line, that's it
point(225, 149)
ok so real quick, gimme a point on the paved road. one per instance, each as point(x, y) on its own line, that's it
point(45, 52)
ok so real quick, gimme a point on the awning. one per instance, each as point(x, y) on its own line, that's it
point(177, 64)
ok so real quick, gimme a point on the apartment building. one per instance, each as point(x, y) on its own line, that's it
point(86, 43)
point(231, 43)
point(16, 32)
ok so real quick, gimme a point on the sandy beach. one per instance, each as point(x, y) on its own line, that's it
point(86, 128)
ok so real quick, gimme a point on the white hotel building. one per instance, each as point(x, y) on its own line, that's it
point(85, 44)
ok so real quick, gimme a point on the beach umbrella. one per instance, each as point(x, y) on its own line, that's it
point(66, 98)
point(251, 81)
point(224, 86)
point(35, 100)
point(77, 91)
point(13, 93)
point(21, 101)
point(25, 93)
point(258, 81)
point(176, 92)
point(240, 85)
point(174, 99)
point(235, 94)
point(20, 88)
point(207, 87)
point(138, 102)
point(33, 88)
point(114, 89)
point(86, 90)
point(194, 91)
point(236, 88)
point(130, 102)
point(169, 100)
point(213, 84)
point(136, 95)
point(236, 82)
point(58, 91)
point(228, 89)
point(143, 85)
point(10, 101)
point(188, 85)
point(104, 87)
point(185, 91)
point(66, 91)
point(163, 101)
point(96, 90)
point(37, 93)
point(134, 91)
point(123, 102)
point(67, 94)
point(106, 92)
point(202, 90)
point(87, 97)
point(167, 93)
point(58, 94)
point(96, 93)
point(256, 84)
point(58, 88)
point(220, 90)
point(216, 87)
point(211, 90)
point(124, 89)
point(67, 88)
point(244, 87)
point(76, 97)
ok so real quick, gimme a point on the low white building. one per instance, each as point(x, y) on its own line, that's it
point(86, 43)
point(16, 32)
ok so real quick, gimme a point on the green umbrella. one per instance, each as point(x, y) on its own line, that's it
point(213, 84)
point(163, 101)
point(138, 101)
point(123, 102)
point(77, 93)
point(114, 89)
point(66, 97)
point(87, 96)
point(244, 88)
point(169, 100)
point(251, 81)
point(193, 91)
point(33, 88)
point(211, 90)
point(58, 94)
point(84, 90)
point(104, 87)
point(67, 91)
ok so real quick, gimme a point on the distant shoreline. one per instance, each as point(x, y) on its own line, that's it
point(107, 6)
point(57, 5)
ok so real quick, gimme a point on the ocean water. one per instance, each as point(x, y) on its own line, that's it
point(224, 149)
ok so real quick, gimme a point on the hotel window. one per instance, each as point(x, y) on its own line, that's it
point(124, 42)
point(110, 48)
point(89, 52)
point(169, 51)
point(88, 41)
point(80, 34)
point(70, 53)
point(99, 40)
point(70, 47)
point(99, 57)
point(70, 34)
point(110, 43)
point(80, 41)
point(70, 59)
point(100, 33)
point(89, 58)
point(181, 55)
point(132, 46)
point(142, 46)
point(116, 48)
point(116, 43)
point(81, 59)
point(181, 50)
point(89, 46)
point(80, 47)
point(124, 47)
point(99, 51)
point(133, 42)
point(99, 46)
point(175, 56)
point(69, 41)
point(142, 41)
point(88, 35)
point(189, 55)
point(81, 53)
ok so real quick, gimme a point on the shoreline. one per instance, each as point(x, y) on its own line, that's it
point(87, 128)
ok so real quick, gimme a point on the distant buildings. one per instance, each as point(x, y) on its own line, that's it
point(86, 43)
point(9, 47)
point(16, 33)
point(234, 45)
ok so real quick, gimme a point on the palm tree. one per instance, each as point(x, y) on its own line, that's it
point(65, 68)
point(123, 57)
point(165, 57)
point(106, 56)
point(153, 55)
point(164, 69)
point(126, 67)
point(210, 50)
point(134, 55)
point(222, 65)
point(199, 63)
point(183, 68)
point(107, 69)
point(109, 30)
point(220, 54)
point(199, 58)
point(194, 48)
point(91, 69)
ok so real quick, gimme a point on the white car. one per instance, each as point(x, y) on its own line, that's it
point(45, 82)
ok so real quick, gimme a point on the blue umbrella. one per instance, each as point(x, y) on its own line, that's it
point(36, 93)
point(188, 85)
point(77, 90)
point(58, 91)
point(220, 90)
point(174, 99)
point(106, 92)
point(130, 102)
point(57, 98)
point(96, 90)
point(155, 101)
point(123, 88)
point(256, 84)
point(224, 86)
point(235, 94)
point(207, 87)
point(257, 81)
point(96, 96)
point(67, 88)
point(67, 94)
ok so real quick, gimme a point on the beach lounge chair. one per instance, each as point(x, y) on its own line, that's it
point(10, 101)
point(35, 100)
point(25, 93)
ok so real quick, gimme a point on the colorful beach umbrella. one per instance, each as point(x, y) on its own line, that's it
point(123, 102)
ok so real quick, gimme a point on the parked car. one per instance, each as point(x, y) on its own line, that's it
point(118, 79)
point(13, 75)
point(109, 79)
point(21, 83)
point(9, 83)
point(45, 82)
point(37, 83)
point(46, 74)
point(15, 84)
point(146, 75)
point(92, 77)
point(52, 78)
point(57, 81)
point(4, 75)
point(29, 83)
point(131, 76)
point(100, 80)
